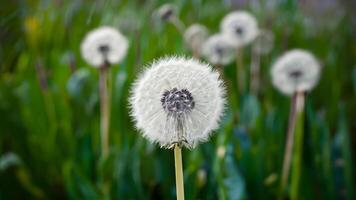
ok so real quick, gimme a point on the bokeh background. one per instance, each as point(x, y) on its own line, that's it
point(49, 109)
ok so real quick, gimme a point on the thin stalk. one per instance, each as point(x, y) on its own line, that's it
point(234, 101)
point(255, 72)
point(220, 69)
point(289, 143)
point(179, 172)
point(240, 72)
point(298, 149)
point(104, 110)
point(196, 54)
point(178, 24)
point(48, 100)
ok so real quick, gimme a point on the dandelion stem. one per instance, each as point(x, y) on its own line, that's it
point(240, 76)
point(196, 54)
point(296, 108)
point(178, 24)
point(48, 100)
point(179, 172)
point(255, 72)
point(298, 149)
point(104, 110)
point(234, 102)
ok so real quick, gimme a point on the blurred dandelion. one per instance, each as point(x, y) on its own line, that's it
point(294, 73)
point(241, 28)
point(195, 37)
point(100, 48)
point(217, 50)
point(104, 45)
point(177, 102)
point(168, 13)
point(264, 42)
point(297, 70)
point(262, 45)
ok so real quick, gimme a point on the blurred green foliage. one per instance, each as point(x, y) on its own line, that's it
point(49, 111)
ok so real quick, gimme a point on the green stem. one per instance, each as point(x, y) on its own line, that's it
point(233, 100)
point(296, 111)
point(255, 72)
point(104, 110)
point(179, 172)
point(240, 72)
point(298, 150)
point(178, 24)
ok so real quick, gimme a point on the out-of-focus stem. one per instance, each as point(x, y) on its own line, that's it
point(178, 24)
point(48, 100)
point(297, 105)
point(255, 72)
point(104, 110)
point(72, 64)
point(240, 72)
point(298, 148)
point(179, 172)
point(234, 100)
point(196, 54)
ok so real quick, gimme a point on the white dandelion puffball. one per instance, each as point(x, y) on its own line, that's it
point(240, 26)
point(218, 50)
point(104, 45)
point(296, 70)
point(177, 101)
point(264, 42)
point(195, 36)
point(166, 11)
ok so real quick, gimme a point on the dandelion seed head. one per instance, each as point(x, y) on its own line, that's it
point(217, 50)
point(166, 11)
point(177, 101)
point(264, 42)
point(296, 70)
point(195, 36)
point(104, 44)
point(240, 26)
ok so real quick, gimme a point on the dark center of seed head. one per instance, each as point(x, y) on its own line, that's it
point(104, 49)
point(167, 14)
point(295, 74)
point(239, 31)
point(219, 50)
point(177, 101)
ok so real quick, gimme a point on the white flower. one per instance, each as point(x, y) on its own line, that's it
point(218, 50)
point(296, 70)
point(264, 41)
point(104, 44)
point(177, 100)
point(166, 12)
point(195, 36)
point(240, 26)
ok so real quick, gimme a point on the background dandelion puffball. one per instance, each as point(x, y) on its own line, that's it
point(104, 43)
point(166, 79)
point(264, 42)
point(240, 26)
point(218, 50)
point(296, 70)
point(195, 36)
point(166, 12)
